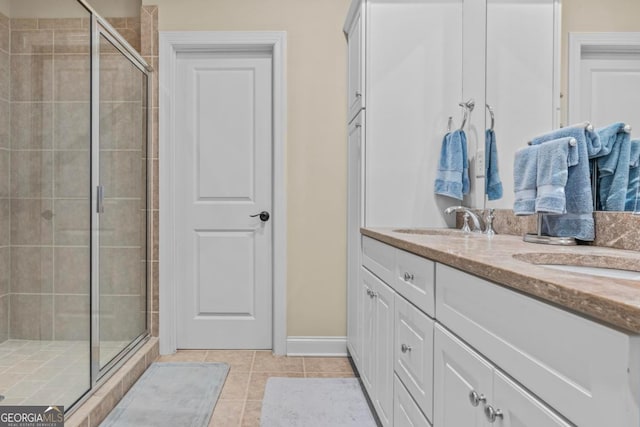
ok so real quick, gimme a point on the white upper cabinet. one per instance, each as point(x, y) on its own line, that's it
point(414, 62)
point(354, 250)
point(414, 82)
point(354, 30)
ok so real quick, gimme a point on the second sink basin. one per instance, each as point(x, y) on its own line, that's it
point(596, 271)
point(594, 265)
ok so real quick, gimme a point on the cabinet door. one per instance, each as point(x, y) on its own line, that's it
point(384, 299)
point(405, 410)
point(354, 221)
point(459, 372)
point(367, 281)
point(518, 408)
point(413, 361)
point(355, 49)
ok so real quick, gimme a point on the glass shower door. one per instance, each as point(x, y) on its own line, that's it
point(122, 202)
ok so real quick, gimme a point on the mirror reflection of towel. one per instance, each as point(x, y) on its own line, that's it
point(613, 167)
point(631, 202)
point(493, 184)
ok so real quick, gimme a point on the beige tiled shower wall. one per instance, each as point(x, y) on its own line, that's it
point(149, 51)
point(5, 159)
point(49, 179)
point(44, 183)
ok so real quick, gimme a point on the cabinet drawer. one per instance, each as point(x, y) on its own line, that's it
point(405, 410)
point(413, 353)
point(379, 258)
point(583, 368)
point(415, 280)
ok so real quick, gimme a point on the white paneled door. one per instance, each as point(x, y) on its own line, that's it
point(223, 182)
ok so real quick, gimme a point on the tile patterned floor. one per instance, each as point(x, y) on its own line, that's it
point(240, 403)
point(46, 372)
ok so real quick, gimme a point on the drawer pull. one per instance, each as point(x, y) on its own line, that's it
point(358, 94)
point(476, 398)
point(369, 292)
point(492, 414)
point(408, 277)
point(405, 348)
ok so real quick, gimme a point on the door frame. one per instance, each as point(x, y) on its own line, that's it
point(171, 43)
point(592, 42)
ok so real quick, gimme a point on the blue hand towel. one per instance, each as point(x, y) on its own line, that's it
point(578, 221)
point(525, 168)
point(452, 178)
point(613, 167)
point(554, 159)
point(609, 137)
point(633, 189)
point(579, 131)
point(493, 185)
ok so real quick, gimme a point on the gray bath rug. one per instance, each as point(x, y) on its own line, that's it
point(171, 394)
point(311, 402)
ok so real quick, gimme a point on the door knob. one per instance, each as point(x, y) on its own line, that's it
point(264, 216)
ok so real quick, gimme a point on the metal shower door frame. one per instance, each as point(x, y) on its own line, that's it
point(101, 28)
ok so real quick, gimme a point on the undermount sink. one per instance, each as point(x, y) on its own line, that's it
point(436, 232)
point(593, 265)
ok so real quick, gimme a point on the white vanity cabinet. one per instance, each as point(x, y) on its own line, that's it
point(470, 392)
point(406, 346)
point(377, 345)
point(444, 348)
point(586, 371)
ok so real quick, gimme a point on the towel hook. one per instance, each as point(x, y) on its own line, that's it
point(493, 118)
point(449, 123)
point(468, 108)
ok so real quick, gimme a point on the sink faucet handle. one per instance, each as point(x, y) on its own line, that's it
point(489, 231)
point(465, 226)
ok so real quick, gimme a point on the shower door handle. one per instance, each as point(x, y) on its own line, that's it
point(100, 199)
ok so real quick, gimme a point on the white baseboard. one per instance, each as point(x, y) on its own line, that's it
point(317, 346)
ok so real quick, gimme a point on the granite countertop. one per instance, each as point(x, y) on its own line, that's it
point(501, 260)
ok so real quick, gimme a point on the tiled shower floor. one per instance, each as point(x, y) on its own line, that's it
point(46, 372)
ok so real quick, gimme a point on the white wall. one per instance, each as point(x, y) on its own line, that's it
point(316, 142)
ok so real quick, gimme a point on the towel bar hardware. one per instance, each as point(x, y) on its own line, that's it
point(468, 108)
point(627, 129)
point(449, 124)
point(493, 118)
point(586, 125)
point(572, 142)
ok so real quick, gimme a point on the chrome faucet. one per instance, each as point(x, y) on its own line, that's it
point(468, 213)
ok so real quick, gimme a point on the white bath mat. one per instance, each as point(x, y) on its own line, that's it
point(171, 394)
point(315, 402)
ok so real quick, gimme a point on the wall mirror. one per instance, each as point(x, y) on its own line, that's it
point(536, 101)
